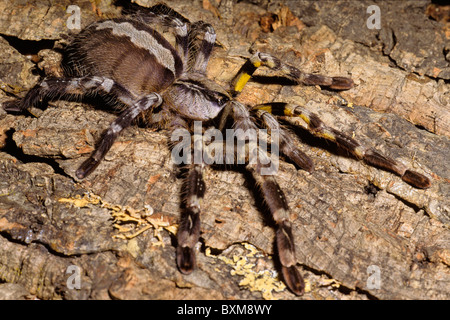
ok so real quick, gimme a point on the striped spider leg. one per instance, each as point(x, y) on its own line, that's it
point(275, 200)
point(260, 59)
point(311, 122)
point(163, 82)
point(268, 114)
point(63, 87)
point(189, 228)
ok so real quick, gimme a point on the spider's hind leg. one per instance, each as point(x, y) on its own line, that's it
point(311, 122)
point(161, 14)
point(54, 88)
point(49, 89)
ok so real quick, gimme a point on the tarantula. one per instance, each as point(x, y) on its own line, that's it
point(165, 85)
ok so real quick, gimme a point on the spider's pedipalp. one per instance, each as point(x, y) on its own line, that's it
point(259, 59)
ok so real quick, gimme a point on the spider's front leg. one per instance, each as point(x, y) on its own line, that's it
point(311, 122)
point(275, 200)
point(55, 88)
point(124, 120)
point(203, 53)
point(260, 59)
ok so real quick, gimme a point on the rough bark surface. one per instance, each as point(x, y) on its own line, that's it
point(361, 233)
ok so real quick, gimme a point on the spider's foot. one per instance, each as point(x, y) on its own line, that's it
point(185, 259)
point(336, 83)
point(13, 106)
point(301, 160)
point(416, 179)
point(86, 168)
point(341, 83)
point(413, 178)
point(293, 279)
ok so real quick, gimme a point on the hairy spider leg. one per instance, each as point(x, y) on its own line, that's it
point(266, 60)
point(277, 205)
point(185, 35)
point(286, 143)
point(189, 228)
point(203, 52)
point(168, 17)
point(311, 122)
point(57, 88)
point(53, 88)
point(124, 120)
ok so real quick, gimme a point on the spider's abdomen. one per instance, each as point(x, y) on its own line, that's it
point(127, 51)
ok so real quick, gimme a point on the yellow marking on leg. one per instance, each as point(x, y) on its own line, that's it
point(241, 82)
point(305, 118)
point(270, 64)
point(288, 112)
point(267, 108)
point(327, 135)
point(358, 152)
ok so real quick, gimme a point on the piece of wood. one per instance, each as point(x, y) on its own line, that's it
point(351, 223)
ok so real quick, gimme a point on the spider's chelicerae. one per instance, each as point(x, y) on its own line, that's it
point(166, 86)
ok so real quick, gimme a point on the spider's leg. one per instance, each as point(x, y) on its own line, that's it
point(311, 122)
point(193, 193)
point(204, 51)
point(181, 28)
point(189, 228)
point(59, 87)
point(56, 88)
point(124, 120)
point(286, 144)
point(263, 59)
point(278, 207)
point(276, 202)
